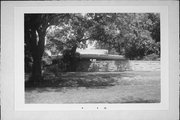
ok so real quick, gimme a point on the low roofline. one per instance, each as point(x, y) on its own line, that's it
point(102, 57)
point(98, 57)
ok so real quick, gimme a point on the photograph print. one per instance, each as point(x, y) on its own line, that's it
point(92, 58)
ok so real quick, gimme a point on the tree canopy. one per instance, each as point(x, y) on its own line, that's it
point(134, 35)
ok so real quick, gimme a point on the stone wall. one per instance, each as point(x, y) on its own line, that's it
point(117, 66)
point(111, 66)
point(144, 65)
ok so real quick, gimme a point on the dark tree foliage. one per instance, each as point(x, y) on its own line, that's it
point(70, 60)
point(134, 35)
point(155, 27)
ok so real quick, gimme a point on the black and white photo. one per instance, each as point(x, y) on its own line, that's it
point(89, 60)
point(92, 58)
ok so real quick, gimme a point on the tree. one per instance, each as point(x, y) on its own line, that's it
point(154, 28)
point(132, 34)
point(34, 41)
point(71, 33)
point(35, 32)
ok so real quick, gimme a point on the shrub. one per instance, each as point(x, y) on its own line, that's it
point(70, 59)
point(152, 57)
point(46, 61)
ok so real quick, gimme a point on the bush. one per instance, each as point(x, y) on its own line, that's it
point(46, 61)
point(133, 53)
point(28, 64)
point(70, 60)
point(152, 57)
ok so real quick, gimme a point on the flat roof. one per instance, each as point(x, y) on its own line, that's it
point(97, 56)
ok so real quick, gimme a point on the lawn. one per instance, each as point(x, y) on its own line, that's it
point(99, 87)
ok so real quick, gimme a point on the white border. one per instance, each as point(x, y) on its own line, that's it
point(19, 59)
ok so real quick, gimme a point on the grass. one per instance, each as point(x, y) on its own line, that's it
point(102, 87)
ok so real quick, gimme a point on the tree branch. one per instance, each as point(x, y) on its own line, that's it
point(85, 39)
point(58, 41)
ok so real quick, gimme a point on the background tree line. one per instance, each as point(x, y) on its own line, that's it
point(134, 35)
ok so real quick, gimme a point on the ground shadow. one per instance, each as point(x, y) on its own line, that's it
point(77, 80)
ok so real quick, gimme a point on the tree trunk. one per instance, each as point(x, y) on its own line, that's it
point(37, 52)
point(73, 50)
point(36, 70)
point(73, 60)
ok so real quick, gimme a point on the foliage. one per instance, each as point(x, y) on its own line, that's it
point(71, 32)
point(70, 60)
point(28, 63)
point(132, 34)
point(154, 28)
point(151, 57)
